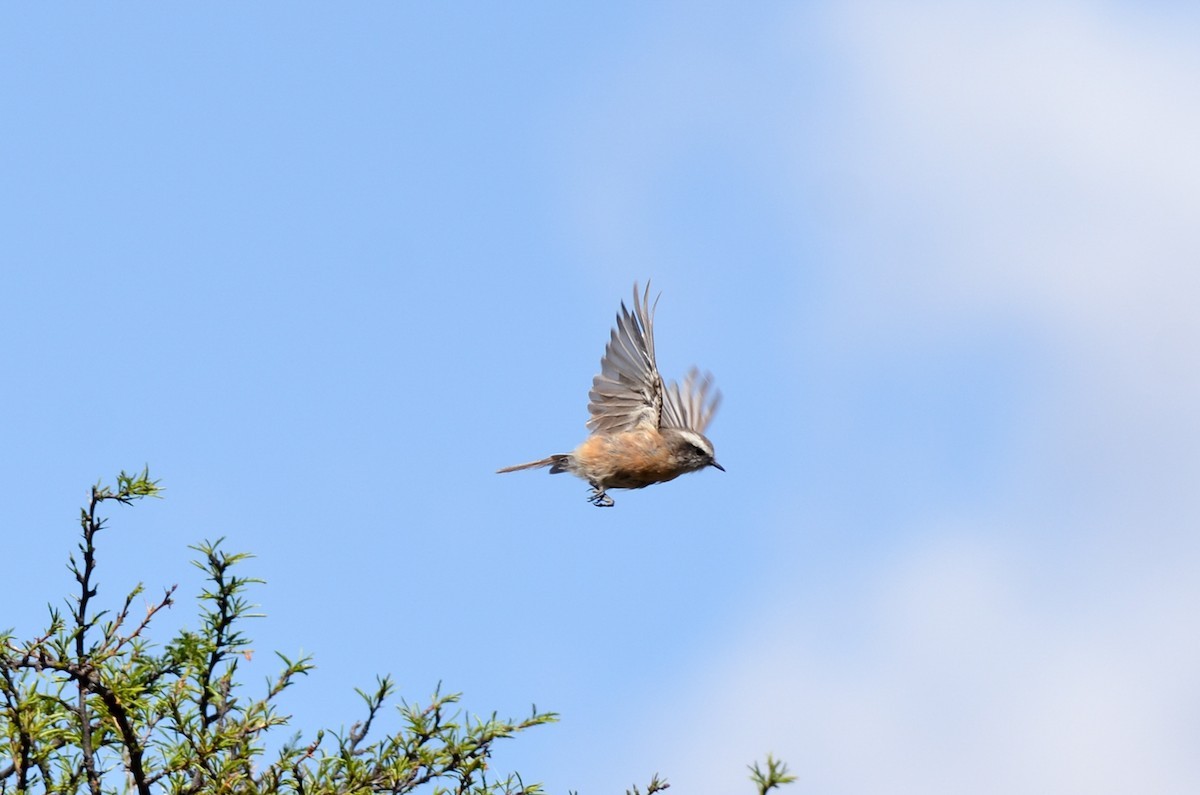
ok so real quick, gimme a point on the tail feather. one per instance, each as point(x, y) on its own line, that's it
point(557, 463)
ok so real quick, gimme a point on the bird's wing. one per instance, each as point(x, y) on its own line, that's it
point(688, 406)
point(628, 391)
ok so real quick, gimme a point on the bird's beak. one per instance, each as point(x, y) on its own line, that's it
point(718, 466)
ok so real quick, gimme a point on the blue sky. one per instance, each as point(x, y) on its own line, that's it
point(326, 268)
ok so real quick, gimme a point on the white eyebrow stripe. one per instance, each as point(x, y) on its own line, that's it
point(698, 440)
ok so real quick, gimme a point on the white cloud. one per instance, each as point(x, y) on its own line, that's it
point(1051, 147)
point(955, 677)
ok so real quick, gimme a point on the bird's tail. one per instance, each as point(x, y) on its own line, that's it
point(557, 463)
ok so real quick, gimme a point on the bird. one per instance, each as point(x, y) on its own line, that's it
point(642, 430)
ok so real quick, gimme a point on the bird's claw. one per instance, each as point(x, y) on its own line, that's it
point(600, 499)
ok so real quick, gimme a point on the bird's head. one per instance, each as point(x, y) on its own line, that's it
point(692, 451)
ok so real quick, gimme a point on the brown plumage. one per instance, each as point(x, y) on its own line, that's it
point(643, 431)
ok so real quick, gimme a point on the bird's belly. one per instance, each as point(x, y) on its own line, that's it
point(628, 460)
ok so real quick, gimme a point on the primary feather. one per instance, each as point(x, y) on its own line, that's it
point(628, 392)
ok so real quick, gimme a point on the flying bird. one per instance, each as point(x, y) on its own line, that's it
point(642, 431)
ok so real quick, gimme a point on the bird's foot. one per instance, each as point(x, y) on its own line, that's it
point(600, 499)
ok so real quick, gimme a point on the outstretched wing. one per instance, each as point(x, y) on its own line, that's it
point(688, 406)
point(628, 391)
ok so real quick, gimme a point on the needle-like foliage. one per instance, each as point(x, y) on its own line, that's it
point(92, 706)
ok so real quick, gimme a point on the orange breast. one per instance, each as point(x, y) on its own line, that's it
point(627, 460)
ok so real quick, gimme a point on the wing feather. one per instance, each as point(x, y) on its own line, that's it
point(689, 406)
point(628, 391)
